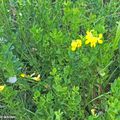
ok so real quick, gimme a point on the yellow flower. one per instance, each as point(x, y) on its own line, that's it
point(76, 44)
point(99, 39)
point(23, 75)
point(36, 78)
point(73, 45)
point(93, 112)
point(2, 87)
point(92, 40)
point(79, 43)
point(89, 35)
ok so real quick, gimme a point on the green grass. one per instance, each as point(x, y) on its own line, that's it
point(35, 39)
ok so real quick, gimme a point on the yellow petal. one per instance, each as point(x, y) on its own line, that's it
point(100, 36)
point(73, 48)
point(88, 33)
point(79, 43)
point(23, 75)
point(2, 87)
point(93, 44)
point(100, 41)
point(93, 112)
point(36, 78)
point(74, 43)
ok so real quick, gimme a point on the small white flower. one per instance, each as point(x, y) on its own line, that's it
point(12, 79)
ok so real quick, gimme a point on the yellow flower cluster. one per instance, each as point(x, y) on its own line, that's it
point(36, 78)
point(2, 87)
point(76, 44)
point(92, 40)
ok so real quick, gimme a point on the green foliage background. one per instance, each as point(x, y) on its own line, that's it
point(35, 36)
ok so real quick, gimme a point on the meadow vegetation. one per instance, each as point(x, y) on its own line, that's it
point(60, 59)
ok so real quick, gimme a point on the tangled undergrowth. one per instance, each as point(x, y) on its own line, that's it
point(60, 59)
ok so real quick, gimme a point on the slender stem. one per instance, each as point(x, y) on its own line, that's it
point(102, 95)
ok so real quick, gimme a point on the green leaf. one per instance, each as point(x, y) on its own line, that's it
point(117, 38)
